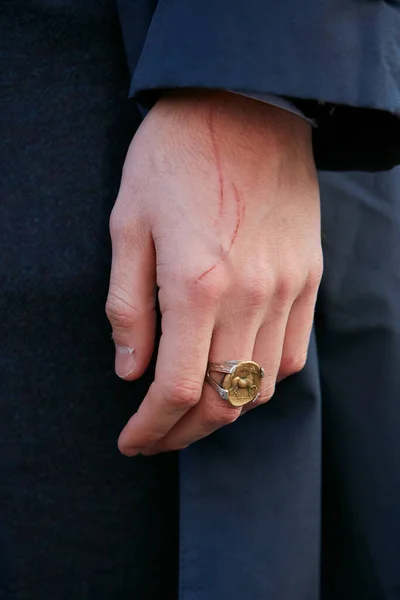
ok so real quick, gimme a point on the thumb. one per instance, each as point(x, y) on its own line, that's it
point(130, 305)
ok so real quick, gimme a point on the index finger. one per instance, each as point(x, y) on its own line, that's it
point(180, 371)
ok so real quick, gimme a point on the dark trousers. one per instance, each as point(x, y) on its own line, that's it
point(300, 498)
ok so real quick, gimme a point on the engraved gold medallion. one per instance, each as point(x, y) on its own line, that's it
point(241, 382)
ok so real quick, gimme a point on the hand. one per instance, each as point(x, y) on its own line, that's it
point(218, 206)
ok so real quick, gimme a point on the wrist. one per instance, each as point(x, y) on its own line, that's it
point(239, 120)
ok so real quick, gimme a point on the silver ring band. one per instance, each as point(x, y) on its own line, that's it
point(220, 390)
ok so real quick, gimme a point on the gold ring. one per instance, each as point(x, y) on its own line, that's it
point(240, 383)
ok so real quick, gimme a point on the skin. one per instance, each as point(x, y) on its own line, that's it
point(219, 208)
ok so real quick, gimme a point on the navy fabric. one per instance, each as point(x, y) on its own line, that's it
point(358, 332)
point(250, 501)
point(339, 52)
point(251, 496)
point(77, 519)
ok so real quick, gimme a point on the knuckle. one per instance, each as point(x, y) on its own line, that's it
point(231, 416)
point(314, 277)
point(291, 365)
point(122, 224)
point(217, 416)
point(184, 394)
point(256, 292)
point(207, 295)
point(206, 292)
point(266, 393)
point(115, 223)
point(119, 310)
point(286, 288)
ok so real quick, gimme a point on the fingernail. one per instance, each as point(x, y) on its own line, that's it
point(124, 360)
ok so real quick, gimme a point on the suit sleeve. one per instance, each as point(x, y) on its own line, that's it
point(337, 60)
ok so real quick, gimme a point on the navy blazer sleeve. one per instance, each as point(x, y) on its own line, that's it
point(337, 60)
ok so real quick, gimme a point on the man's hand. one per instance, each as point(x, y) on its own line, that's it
point(219, 207)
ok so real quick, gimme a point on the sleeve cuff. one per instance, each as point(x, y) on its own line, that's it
point(279, 102)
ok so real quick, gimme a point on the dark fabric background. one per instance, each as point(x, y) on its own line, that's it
point(78, 520)
point(358, 336)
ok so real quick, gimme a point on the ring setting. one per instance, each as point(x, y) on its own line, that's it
point(240, 382)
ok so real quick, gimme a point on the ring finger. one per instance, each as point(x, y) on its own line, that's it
point(212, 412)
